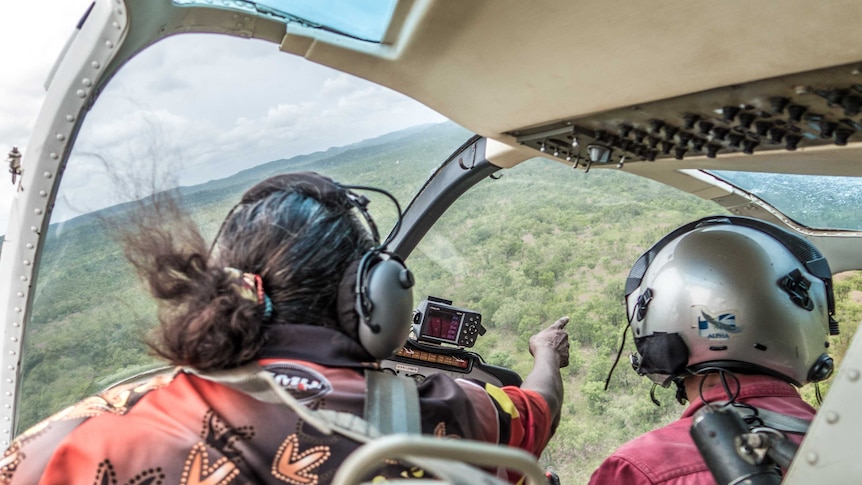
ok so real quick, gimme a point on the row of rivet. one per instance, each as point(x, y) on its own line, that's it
point(832, 417)
point(60, 137)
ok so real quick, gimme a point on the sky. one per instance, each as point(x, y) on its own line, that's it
point(240, 104)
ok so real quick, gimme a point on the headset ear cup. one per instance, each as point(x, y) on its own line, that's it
point(387, 306)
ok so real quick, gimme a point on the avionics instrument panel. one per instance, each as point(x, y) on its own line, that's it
point(441, 332)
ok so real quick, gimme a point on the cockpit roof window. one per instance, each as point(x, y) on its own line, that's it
point(819, 202)
point(366, 20)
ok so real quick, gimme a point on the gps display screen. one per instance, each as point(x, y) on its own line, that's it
point(441, 324)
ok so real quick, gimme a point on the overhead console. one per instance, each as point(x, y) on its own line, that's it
point(787, 113)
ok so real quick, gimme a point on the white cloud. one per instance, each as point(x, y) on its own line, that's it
point(340, 83)
point(207, 105)
point(206, 116)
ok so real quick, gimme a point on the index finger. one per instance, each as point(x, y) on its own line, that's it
point(560, 323)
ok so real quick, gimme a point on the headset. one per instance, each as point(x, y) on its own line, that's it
point(375, 296)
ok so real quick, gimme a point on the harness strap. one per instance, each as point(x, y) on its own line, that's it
point(778, 421)
point(392, 406)
point(771, 419)
point(392, 403)
point(251, 379)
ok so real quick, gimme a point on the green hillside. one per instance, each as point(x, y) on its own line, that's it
point(541, 242)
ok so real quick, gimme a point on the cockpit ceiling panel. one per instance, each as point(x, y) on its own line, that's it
point(813, 109)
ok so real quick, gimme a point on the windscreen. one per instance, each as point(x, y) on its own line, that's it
point(174, 119)
point(819, 202)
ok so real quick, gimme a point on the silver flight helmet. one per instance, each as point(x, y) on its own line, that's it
point(733, 293)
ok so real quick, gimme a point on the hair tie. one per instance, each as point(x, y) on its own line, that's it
point(267, 307)
point(249, 286)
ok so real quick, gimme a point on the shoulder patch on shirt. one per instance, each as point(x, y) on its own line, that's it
point(301, 382)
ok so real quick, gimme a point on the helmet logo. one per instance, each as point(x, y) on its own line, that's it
point(717, 328)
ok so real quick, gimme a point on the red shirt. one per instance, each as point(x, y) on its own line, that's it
point(668, 455)
point(177, 428)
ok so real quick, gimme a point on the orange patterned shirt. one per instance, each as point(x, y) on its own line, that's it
point(177, 428)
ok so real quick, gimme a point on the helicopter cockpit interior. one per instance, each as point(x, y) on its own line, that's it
point(537, 147)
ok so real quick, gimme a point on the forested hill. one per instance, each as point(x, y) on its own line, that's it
point(540, 242)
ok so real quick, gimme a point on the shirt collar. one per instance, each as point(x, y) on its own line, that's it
point(324, 346)
point(750, 386)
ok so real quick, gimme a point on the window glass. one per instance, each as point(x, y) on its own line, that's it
point(818, 202)
point(213, 126)
point(544, 241)
point(366, 20)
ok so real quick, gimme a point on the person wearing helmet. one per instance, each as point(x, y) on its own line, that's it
point(730, 310)
point(274, 333)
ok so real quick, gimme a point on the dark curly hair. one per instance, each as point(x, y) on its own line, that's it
point(298, 242)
